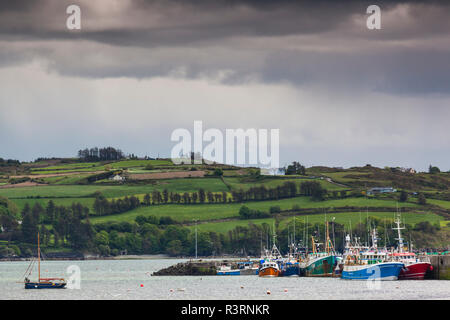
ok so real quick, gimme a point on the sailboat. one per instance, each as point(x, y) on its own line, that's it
point(42, 283)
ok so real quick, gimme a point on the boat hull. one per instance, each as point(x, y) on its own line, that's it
point(44, 285)
point(229, 273)
point(380, 271)
point(320, 267)
point(415, 271)
point(248, 272)
point(269, 272)
point(290, 271)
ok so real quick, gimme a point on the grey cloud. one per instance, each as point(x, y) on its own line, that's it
point(204, 39)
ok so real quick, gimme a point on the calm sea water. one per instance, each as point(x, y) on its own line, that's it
point(122, 279)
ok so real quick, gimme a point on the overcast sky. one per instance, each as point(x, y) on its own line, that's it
point(341, 94)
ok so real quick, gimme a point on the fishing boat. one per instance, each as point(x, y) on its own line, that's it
point(270, 264)
point(228, 271)
point(42, 283)
point(415, 268)
point(319, 263)
point(271, 261)
point(269, 268)
point(370, 263)
point(247, 268)
point(290, 268)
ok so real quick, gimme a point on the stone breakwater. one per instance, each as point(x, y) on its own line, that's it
point(189, 268)
point(198, 267)
point(441, 267)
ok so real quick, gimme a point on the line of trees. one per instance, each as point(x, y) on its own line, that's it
point(9, 162)
point(100, 154)
point(103, 206)
point(289, 189)
point(70, 225)
point(286, 190)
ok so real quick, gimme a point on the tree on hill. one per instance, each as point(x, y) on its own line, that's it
point(433, 170)
point(295, 168)
point(9, 216)
point(313, 189)
point(147, 199)
point(102, 154)
point(201, 195)
point(421, 199)
point(29, 228)
point(403, 196)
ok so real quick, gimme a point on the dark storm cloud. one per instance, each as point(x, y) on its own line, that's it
point(186, 21)
point(416, 72)
point(145, 39)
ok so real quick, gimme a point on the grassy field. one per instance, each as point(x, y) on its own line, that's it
point(114, 191)
point(88, 202)
point(220, 211)
point(272, 182)
point(98, 166)
point(440, 203)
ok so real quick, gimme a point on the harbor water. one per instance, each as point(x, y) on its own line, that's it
point(131, 279)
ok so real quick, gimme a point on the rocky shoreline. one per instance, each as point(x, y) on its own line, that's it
point(197, 267)
point(190, 268)
point(80, 256)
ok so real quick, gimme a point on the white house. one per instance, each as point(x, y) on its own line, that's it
point(117, 178)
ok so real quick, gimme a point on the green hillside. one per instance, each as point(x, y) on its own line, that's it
point(151, 201)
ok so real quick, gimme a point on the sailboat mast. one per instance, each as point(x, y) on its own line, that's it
point(39, 260)
point(294, 230)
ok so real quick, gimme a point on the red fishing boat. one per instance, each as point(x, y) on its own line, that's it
point(415, 267)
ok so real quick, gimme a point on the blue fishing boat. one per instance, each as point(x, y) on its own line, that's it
point(290, 268)
point(42, 283)
point(228, 271)
point(378, 271)
point(363, 263)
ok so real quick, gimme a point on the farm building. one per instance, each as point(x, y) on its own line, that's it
point(117, 178)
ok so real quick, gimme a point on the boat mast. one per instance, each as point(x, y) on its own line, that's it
point(306, 235)
point(294, 230)
point(39, 260)
point(400, 239)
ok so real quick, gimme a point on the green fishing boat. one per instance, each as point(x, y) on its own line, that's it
point(320, 263)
